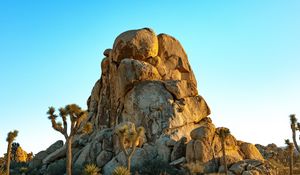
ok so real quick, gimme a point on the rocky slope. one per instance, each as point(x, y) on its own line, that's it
point(147, 79)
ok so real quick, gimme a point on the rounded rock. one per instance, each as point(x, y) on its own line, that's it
point(136, 44)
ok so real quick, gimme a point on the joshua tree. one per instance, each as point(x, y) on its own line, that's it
point(11, 136)
point(223, 133)
point(295, 126)
point(77, 116)
point(290, 147)
point(129, 137)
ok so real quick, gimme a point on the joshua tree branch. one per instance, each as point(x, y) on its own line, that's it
point(294, 139)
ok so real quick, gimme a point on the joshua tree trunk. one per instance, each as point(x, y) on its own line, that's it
point(128, 163)
point(291, 161)
point(8, 158)
point(224, 154)
point(295, 140)
point(69, 155)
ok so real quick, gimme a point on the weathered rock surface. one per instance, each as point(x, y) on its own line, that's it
point(147, 80)
point(137, 44)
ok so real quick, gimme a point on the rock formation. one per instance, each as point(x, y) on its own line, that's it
point(146, 79)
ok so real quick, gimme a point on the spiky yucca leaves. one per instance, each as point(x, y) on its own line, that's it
point(223, 133)
point(295, 127)
point(290, 148)
point(120, 170)
point(129, 136)
point(91, 169)
point(11, 136)
point(77, 116)
point(87, 128)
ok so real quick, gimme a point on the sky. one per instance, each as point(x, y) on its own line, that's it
point(245, 56)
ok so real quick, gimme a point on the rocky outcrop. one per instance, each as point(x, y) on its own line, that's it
point(147, 80)
point(205, 148)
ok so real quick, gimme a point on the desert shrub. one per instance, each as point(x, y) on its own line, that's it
point(157, 166)
point(17, 165)
point(120, 170)
point(91, 169)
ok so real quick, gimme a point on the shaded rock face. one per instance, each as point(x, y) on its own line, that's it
point(146, 79)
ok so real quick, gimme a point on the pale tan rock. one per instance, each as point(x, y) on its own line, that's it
point(131, 71)
point(231, 147)
point(190, 152)
point(107, 52)
point(181, 88)
point(105, 65)
point(173, 54)
point(203, 152)
point(155, 61)
point(189, 110)
point(250, 151)
point(205, 132)
point(149, 105)
point(174, 60)
point(137, 44)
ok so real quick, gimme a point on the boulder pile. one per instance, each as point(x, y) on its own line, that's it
point(147, 79)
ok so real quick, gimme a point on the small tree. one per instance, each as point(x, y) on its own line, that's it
point(295, 127)
point(11, 136)
point(290, 147)
point(223, 133)
point(77, 116)
point(129, 137)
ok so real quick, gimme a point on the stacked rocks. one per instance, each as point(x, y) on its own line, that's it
point(146, 79)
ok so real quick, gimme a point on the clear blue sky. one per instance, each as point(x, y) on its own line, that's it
point(245, 55)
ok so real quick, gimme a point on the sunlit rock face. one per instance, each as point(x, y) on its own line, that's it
point(147, 80)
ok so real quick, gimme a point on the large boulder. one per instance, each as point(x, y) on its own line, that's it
point(55, 146)
point(137, 44)
point(250, 151)
point(58, 154)
point(174, 59)
point(141, 155)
